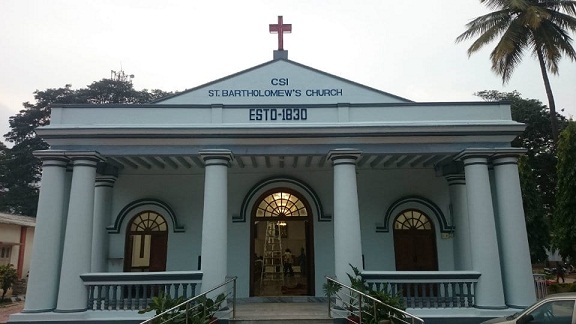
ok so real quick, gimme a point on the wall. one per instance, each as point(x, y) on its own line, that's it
point(378, 189)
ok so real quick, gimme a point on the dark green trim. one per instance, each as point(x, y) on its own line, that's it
point(437, 213)
point(115, 229)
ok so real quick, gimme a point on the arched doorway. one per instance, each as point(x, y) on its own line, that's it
point(146, 243)
point(282, 245)
point(415, 242)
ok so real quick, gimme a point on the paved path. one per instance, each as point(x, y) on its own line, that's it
point(6, 310)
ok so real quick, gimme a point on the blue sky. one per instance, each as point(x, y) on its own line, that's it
point(405, 48)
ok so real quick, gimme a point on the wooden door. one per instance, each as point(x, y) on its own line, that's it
point(415, 242)
point(158, 250)
point(415, 250)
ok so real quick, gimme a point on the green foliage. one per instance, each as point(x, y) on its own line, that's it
point(8, 277)
point(161, 304)
point(556, 288)
point(564, 225)
point(371, 313)
point(541, 27)
point(201, 311)
point(20, 172)
point(534, 212)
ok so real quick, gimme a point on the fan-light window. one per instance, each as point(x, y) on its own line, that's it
point(412, 220)
point(281, 204)
point(148, 222)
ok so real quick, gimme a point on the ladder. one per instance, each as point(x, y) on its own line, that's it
point(272, 265)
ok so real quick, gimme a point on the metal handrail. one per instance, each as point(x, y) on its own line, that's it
point(190, 302)
point(362, 299)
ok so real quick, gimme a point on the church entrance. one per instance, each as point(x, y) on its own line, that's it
point(282, 245)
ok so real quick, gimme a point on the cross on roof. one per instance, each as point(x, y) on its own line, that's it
point(280, 28)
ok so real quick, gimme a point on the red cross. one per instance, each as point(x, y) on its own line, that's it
point(280, 29)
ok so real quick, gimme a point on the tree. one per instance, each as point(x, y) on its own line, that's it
point(537, 169)
point(540, 26)
point(19, 171)
point(564, 225)
point(8, 278)
point(536, 223)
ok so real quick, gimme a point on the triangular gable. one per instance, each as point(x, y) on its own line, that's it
point(281, 82)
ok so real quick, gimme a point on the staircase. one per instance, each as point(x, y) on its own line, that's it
point(264, 313)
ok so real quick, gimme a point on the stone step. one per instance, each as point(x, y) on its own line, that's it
point(263, 313)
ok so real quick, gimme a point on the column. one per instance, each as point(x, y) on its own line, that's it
point(215, 218)
point(458, 201)
point(347, 236)
point(76, 260)
point(102, 207)
point(483, 238)
point(516, 265)
point(42, 291)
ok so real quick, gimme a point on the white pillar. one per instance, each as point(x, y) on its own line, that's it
point(214, 253)
point(76, 259)
point(515, 253)
point(102, 208)
point(347, 236)
point(483, 238)
point(459, 203)
point(42, 291)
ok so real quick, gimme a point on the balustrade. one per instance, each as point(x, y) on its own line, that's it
point(427, 289)
point(135, 290)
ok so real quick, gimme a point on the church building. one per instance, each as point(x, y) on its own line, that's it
point(279, 175)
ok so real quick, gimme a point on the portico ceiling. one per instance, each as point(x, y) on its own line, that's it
point(366, 161)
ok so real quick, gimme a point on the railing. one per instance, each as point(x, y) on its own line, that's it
point(358, 307)
point(540, 286)
point(201, 309)
point(135, 290)
point(427, 289)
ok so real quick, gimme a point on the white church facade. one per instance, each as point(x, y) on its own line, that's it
point(187, 189)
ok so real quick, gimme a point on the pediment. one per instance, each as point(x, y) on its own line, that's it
point(281, 82)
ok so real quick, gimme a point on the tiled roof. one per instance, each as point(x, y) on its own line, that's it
point(17, 220)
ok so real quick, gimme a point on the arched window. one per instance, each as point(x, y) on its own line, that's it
point(146, 243)
point(281, 204)
point(412, 219)
point(415, 242)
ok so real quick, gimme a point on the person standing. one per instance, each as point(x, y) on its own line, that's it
point(288, 259)
point(559, 272)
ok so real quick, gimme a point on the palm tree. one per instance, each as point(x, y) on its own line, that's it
point(540, 26)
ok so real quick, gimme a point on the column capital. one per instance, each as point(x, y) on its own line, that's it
point(510, 154)
point(455, 179)
point(216, 156)
point(92, 156)
point(51, 155)
point(105, 181)
point(344, 155)
point(490, 153)
point(470, 153)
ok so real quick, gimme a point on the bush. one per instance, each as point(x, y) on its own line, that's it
point(8, 276)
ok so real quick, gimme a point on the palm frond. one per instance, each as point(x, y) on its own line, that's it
point(488, 36)
point(564, 21)
point(508, 52)
point(485, 24)
point(560, 6)
point(511, 4)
